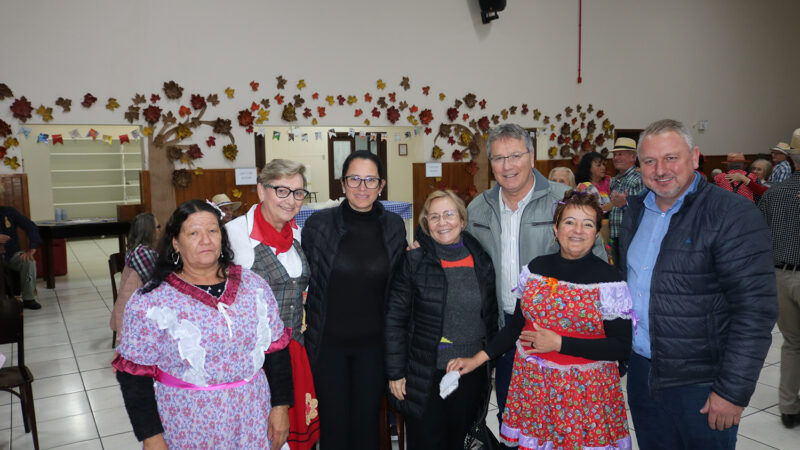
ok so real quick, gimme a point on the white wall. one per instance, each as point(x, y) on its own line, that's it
point(731, 62)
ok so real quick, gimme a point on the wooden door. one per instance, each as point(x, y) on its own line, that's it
point(339, 148)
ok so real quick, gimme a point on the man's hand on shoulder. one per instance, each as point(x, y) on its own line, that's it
point(722, 414)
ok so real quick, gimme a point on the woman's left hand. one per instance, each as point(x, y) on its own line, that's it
point(278, 429)
point(541, 340)
point(737, 177)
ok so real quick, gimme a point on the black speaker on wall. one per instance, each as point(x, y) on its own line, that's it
point(490, 8)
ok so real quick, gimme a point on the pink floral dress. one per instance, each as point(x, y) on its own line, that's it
point(558, 401)
point(190, 335)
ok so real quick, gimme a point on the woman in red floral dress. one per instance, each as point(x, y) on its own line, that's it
point(574, 324)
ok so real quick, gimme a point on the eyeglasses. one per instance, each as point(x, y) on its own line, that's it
point(354, 181)
point(512, 158)
point(283, 192)
point(447, 216)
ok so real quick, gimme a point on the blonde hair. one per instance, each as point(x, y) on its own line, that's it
point(281, 168)
point(570, 175)
point(460, 207)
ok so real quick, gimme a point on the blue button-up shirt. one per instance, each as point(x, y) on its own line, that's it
point(642, 255)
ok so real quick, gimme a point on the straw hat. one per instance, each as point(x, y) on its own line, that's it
point(782, 147)
point(624, 144)
point(222, 200)
point(796, 139)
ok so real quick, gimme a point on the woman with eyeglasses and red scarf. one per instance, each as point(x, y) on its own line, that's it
point(352, 251)
point(266, 240)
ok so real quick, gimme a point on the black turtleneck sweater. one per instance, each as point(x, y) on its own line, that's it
point(587, 270)
point(357, 288)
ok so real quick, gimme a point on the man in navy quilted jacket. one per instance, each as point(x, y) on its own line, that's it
point(705, 302)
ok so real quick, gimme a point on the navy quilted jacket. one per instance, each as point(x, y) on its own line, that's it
point(713, 298)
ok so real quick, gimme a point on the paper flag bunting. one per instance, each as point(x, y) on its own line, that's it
point(383, 137)
point(135, 134)
point(291, 137)
point(276, 135)
point(42, 137)
point(318, 135)
point(75, 134)
point(25, 131)
point(123, 138)
point(92, 134)
point(304, 137)
point(408, 134)
point(362, 134)
point(331, 133)
point(109, 139)
point(261, 131)
point(351, 132)
point(397, 136)
point(58, 139)
point(372, 136)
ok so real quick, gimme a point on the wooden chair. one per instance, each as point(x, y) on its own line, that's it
point(116, 262)
point(19, 376)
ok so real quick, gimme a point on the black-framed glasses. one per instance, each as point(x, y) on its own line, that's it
point(354, 181)
point(512, 158)
point(283, 192)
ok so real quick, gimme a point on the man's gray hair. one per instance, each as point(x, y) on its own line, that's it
point(665, 126)
point(508, 131)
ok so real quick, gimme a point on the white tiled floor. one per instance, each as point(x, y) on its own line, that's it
point(79, 406)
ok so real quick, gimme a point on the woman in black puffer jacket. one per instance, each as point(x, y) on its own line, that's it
point(442, 305)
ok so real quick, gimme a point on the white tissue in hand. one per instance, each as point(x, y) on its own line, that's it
point(449, 383)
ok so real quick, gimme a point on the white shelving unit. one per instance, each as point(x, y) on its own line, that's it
point(90, 178)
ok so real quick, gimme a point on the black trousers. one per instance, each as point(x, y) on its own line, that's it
point(445, 422)
point(349, 383)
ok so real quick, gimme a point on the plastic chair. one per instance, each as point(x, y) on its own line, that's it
point(19, 376)
point(116, 262)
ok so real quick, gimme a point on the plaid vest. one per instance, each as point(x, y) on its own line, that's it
point(288, 291)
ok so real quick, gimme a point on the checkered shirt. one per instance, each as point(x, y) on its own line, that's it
point(780, 172)
point(781, 207)
point(630, 183)
point(142, 259)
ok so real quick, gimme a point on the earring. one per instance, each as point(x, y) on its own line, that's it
point(176, 258)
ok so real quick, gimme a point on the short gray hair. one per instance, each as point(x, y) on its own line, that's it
point(508, 131)
point(666, 126)
point(281, 168)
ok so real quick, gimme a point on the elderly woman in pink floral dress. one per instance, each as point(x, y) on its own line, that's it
point(206, 331)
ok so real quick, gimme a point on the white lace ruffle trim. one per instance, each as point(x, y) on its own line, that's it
point(188, 337)
point(263, 331)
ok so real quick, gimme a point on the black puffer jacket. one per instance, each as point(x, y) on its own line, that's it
point(415, 317)
point(713, 296)
point(321, 235)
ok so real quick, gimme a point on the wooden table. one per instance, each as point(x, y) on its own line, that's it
point(49, 230)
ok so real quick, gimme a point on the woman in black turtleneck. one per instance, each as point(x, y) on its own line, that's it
point(574, 324)
point(352, 251)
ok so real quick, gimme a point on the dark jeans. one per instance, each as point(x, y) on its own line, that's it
point(670, 418)
point(445, 422)
point(349, 383)
point(502, 378)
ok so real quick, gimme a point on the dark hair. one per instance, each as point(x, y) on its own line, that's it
point(142, 232)
point(363, 154)
point(167, 254)
point(580, 199)
point(584, 171)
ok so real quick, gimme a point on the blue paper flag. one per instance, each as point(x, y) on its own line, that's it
point(42, 138)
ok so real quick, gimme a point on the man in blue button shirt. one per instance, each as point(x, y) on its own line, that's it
point(705, 301)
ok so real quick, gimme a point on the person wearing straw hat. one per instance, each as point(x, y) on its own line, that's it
point(782, 169)
point(781, 207)
point(628, 182)
point(737, 180)
point(226, 205)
